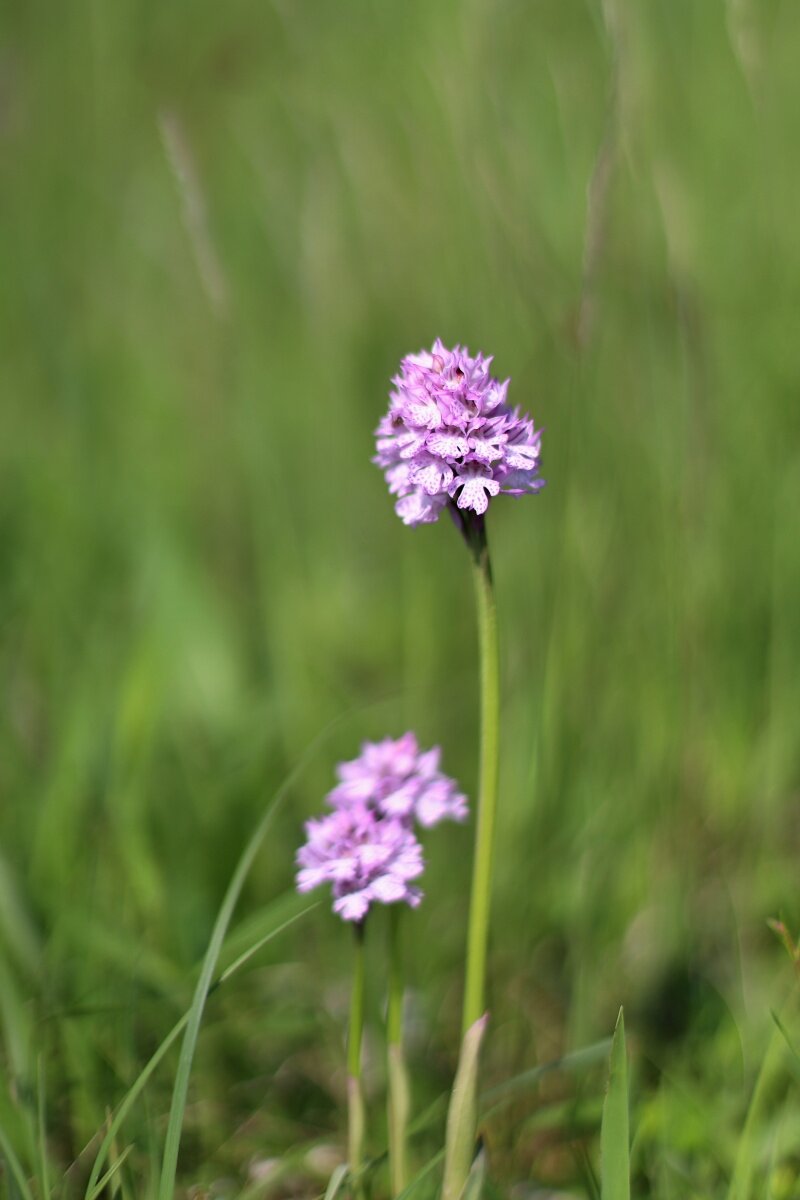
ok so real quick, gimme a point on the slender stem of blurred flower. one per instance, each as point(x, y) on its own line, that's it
point(480, 898)
point(355, 1095)
point(399, 1100)
point(394, 1014)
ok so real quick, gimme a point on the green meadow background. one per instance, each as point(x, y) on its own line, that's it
point(221, 226)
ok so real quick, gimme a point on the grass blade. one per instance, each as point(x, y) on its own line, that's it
point(180, 1091)
point(41, 1108)
point(169, 1164)
point(615, 1172)
point(586, 1057)
point(421, 1176)
point(336, 1181)
point(131, 1096)
point(251, 951)
point(14, 1166)
point(793, 1061)
point(473, 1188)
point(133, 1093)
point(101, 1184)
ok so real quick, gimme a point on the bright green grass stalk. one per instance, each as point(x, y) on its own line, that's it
point(355, 1094)
point(399, 1100)
point(95, 1184)
point(180, 1091)
point(480, 896)
point(615, 1160)
point(169, 1163)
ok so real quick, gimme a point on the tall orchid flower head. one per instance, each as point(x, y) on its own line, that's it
point(450, 436)
point(366, 847)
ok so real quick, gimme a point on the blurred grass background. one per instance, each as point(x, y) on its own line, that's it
point(221, 226)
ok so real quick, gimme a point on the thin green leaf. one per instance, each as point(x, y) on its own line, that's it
point(462, 1115)
point(254, 926)
point(428, 1116)
point(585, 1057)
point(14, 1166)
point(336, 1181)
point(138, 1086)
point(246, 955)
point(615, 1174)
point(473, 1188)
point(582, 1160)
point(41, 1107)
point(421, 1176)
point(127, 1103)
point(180, 1091)
point(793, 1061)
point(786, 1037)
point(110, 1173)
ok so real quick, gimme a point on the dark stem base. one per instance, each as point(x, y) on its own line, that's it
point(472, 527)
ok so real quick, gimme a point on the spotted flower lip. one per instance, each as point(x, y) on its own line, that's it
point(366, 848)
point(449, 436)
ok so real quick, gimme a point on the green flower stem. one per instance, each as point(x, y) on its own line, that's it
point(394, 1014)
point(355, 1094)
point(480, 897)
point(462, 1115)
point(399, 1098)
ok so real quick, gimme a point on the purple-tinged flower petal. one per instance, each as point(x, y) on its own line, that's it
point(522, 456)
point(488, 448)
point(398, 478)
point(447, 443)
point(422, 410)
point(427, 763)
point(430, 473)
point(522, 483)
point(473, 485)
point(448, 414)
point(353, 906)
point(394, 778)
point(441, 802)
point(418, 508)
